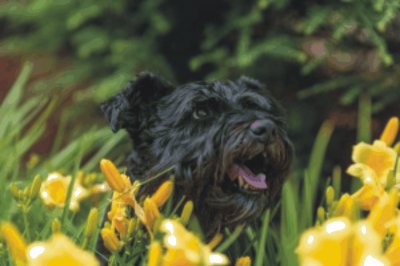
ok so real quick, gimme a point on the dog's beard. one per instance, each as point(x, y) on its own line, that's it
point(249, 175)
point(233, 183)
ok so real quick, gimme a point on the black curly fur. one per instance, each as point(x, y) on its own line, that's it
point(200, 129)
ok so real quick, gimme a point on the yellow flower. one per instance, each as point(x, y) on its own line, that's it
point(243, 261)
point(368, 194)
point(59, 251)
point(118, 213)
point(162, 194)
point(345, 207)
point(117, 181)
point(392, 253)
point(326, 245)
point(372, 161)
point(383, 212)
point(110, 240)
point(155, 254)
point(15, 242)
point(339, 243)
point(184, 248)
point(54, 191)
point(390, 132)
point(366, 246)
point(151, 213)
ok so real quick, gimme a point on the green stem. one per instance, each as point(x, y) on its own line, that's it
point(228, 242)
point(26, 223)
point(73, 179)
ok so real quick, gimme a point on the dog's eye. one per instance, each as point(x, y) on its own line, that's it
point(200, 113)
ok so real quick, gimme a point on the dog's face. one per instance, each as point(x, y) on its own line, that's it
point(225, 140)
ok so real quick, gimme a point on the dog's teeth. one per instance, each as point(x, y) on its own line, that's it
point(241, 181)
point(246, 186)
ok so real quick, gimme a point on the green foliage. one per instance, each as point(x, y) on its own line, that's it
point(105, 40)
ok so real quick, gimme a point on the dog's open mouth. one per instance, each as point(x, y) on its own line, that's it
point(250, 175)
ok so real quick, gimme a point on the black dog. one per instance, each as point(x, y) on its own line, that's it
point(225, 140)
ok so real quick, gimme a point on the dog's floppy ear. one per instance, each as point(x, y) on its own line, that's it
point(126, 109)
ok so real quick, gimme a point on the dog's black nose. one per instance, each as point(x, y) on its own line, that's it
point(263, 129)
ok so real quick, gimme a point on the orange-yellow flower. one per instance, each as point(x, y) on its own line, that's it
point(383, 212)
point(372, 161)
point(332, 237)
point(151, 213)
point(392, 252)
point(54, 191)
point(338, 242)
point(163, 193)
point(110, 240)
point(117, 181)
point(59, 251)
point(368, 194)
point(118, 213)
point(155, 254)
point(184, 248)
point(243, 261)
point(345, 207)
point(15, 242)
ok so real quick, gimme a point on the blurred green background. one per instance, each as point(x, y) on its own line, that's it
point(320, 58)
point(334, 63)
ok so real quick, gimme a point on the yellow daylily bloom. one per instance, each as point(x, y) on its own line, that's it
point(155, 254)
point(15, 242)
point(345, 207)
point(390, 132)
point(59, 250)
point(327, 244)
point(378, 157)
point(118, 213)
point(151, 213)
point(392, 252)
point(184, 248)
point(383, 212)
point(366, 245)
point(368, 194)
point(339, 243)
point(53, 191)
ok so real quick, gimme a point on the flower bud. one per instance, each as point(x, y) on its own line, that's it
point(243, 261)
point(390, 132)
point(14, 241)
point(35, 188)
point(110, 240)
point(113, 177)
point(162, 194)
point(186, 212)
point(56, 226)
point(91, 223)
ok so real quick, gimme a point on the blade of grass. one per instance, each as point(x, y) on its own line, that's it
point(317, 157)
point(231, 239)
point(289, 222)
point(364, 119)
point(260, 254)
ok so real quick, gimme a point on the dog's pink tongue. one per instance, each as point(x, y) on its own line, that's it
point(257, 181)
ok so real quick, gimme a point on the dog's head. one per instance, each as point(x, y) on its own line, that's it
point(225, 140)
